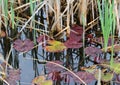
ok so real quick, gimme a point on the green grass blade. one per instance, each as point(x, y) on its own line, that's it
point(31, 7)
point(12, 17)
point(106, 20)
point(5, 11)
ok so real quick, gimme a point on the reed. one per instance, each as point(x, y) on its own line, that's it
point(106, 19)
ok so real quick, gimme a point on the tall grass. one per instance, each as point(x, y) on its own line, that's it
point(5, 11)
point(12, 14)
point(107, 19)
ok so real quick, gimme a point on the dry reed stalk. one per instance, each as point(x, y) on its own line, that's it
point(93, 10)
point(24, 5)
point(83, 12)
point(58, 20)
point(117, 13)
point(72, 14)
point(50, 8)
point(57, 7)
point(0, 17)
point(68, 18)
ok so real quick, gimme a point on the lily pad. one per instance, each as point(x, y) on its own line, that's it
point(23, 45)
point(92, 51)
point(41, 80)
point(76, 33)
point(75, 38)
point(55, 46)
point(104, 76)
point(51, 67)
point(13, 76)
point(73, 44)
point(85, 76)
point(115, 67)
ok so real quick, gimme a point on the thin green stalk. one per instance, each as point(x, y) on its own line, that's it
point(5, 11)
point(106, 19)
point(12, 17)
point(32, 6)
point(112, 33)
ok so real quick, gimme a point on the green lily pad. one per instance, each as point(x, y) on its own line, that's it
point(55, 46)
point(104, 76)
point(40, 80)
point(115, 67)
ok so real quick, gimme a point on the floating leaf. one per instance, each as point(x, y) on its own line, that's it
point(51, 67)
point(85, 76)
point(115, 67)
point(92, 51)
point(104, 76)
point(75, 38)
point(73, 44)
point(41, 80)
point(76, 33)
point(55, 76)
point(23, 45)
point(13, 76)
point(55, 46)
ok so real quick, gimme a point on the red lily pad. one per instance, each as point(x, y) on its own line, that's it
point(55, 76)
point(75, 38)
point(51, 67)
point(13, 76)
point(23, 45)
point(73, 44)
point(55, 46)
point(76, 33)
point(85, 76)
point(92, 51)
